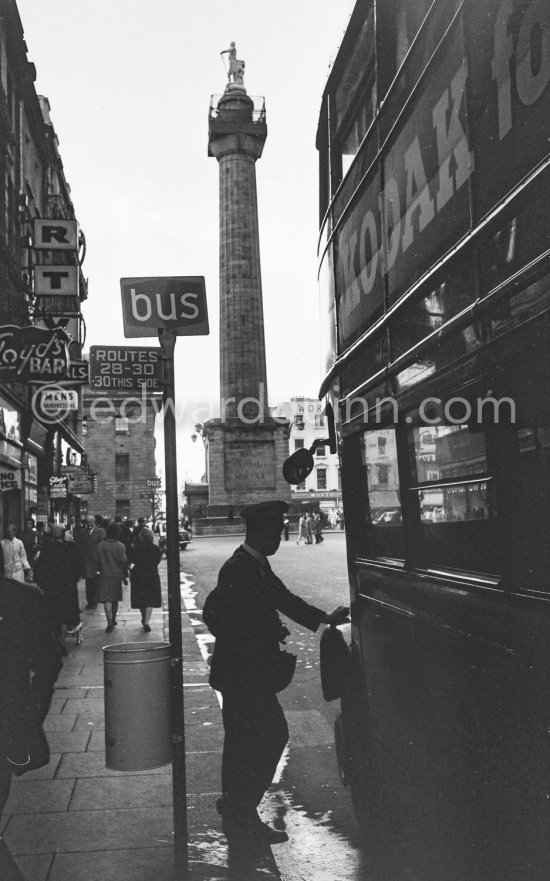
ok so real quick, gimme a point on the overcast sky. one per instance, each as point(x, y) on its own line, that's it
point(129, 85)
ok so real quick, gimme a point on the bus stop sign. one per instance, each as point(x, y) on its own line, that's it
point(173, 303)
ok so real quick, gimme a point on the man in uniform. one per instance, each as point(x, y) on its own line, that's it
point(242, 613)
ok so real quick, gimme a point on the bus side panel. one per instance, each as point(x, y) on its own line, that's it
point(459, 723)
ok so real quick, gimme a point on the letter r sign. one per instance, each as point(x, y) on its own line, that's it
point(55, 235)
point(174, 303)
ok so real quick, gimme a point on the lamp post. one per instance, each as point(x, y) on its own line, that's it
point(201, 430)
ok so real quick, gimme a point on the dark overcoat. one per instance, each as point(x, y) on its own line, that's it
point(144, 577)
point(242, 613)
point(29, 659)
point(56, 571)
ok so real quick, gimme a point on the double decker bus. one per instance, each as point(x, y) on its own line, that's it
point(434, 256)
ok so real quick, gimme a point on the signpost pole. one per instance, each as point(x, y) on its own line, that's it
point(167, 339)
point(146, 303)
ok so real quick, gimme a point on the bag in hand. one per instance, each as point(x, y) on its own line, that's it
point(283, 671)
point(28, 748)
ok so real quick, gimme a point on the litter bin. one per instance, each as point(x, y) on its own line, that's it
point(138, 712)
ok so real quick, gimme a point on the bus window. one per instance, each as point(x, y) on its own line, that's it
point(443, 452)
point(448, 504)
point(379, 454)
point(455, 496)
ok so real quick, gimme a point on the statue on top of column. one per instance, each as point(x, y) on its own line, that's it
point(235, 74)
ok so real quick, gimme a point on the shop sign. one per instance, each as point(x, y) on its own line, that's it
point(58, 401)
point(9, 479)
point(55, 235)
point(80, 479)
point(78, 372)
point(80, 484)
point(126, 367)
point(172, 303)
point(32, 353)
point(154, 482)
point(58, 488)
point(76, 470)
point(56, 281)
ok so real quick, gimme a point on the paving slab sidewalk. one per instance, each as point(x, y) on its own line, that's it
point(76, 820)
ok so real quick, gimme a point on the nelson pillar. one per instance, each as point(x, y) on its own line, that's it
point(246, 447)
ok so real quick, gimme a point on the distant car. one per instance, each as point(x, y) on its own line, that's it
point(184, 538)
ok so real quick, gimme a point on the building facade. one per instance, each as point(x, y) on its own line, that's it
point(41, 291)
point(307, 425)
point(120, 447)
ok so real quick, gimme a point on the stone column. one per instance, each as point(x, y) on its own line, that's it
point(237, 140)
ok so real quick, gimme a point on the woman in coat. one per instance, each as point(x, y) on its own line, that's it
point(144, 577)
point(113, 571)
point(302, 529)
point(56, 571)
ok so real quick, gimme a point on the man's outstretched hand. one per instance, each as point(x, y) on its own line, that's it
point(339, 616)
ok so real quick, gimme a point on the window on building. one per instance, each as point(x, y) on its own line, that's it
point(122, 507)
point(319, 420)
point(298, 444)
point(320, 451)
point(301, 485)
point(122, 466)
point(321, 478)
point(122, 425)
point(299, 422)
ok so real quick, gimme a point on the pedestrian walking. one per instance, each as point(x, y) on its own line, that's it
point(286, 526)
point(318, 524)
point(249, 669)
point(144, 577)
point(113, 571)
point(88, 542)
point(40, 536)
point(302, 529)
point(29, 666)
point(127, 538)
point(16, 564)
point(56, 571)
point(30, 541)
point(309, 528)
point(140, 525)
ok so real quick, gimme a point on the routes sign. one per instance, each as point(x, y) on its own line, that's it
point(172, 302)
point(126, 367)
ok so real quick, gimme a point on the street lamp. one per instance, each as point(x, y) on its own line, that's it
point(201, 430)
